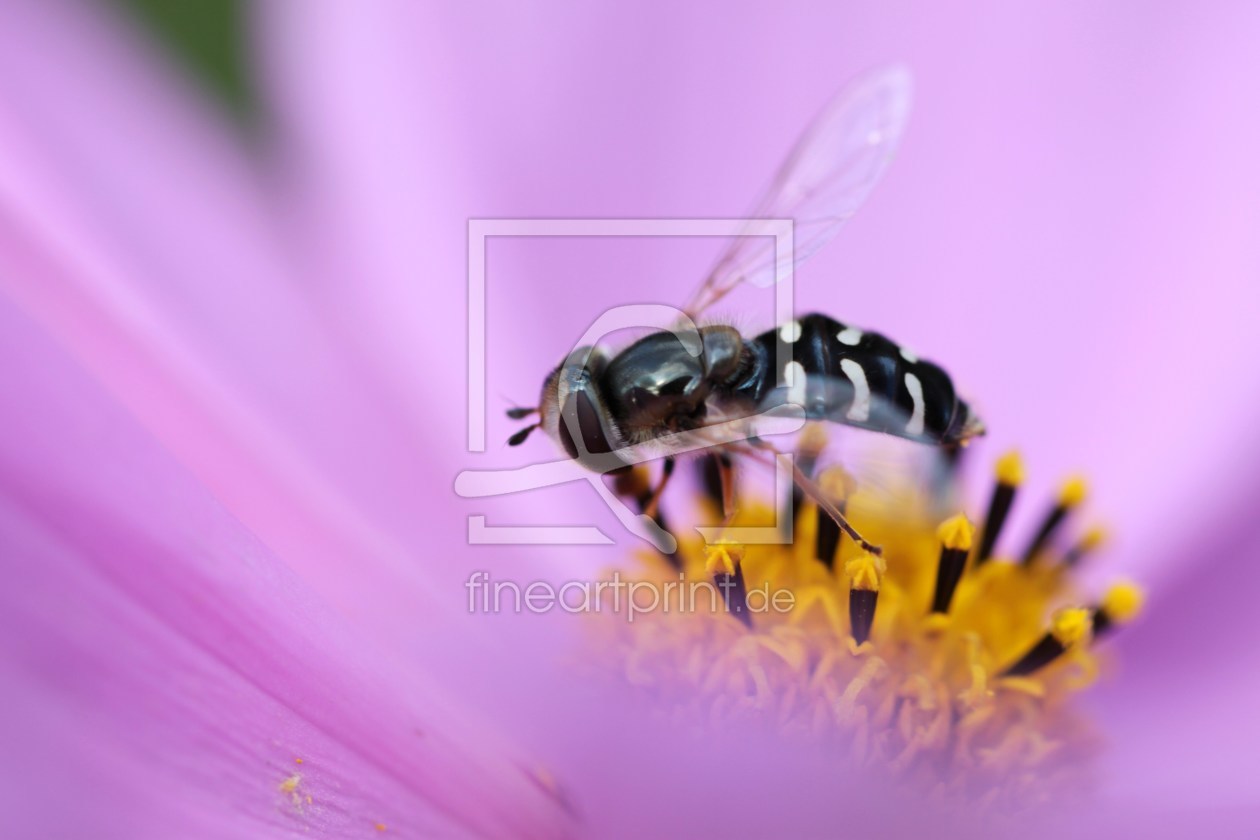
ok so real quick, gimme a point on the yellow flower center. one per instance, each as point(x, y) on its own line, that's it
point(938, 661)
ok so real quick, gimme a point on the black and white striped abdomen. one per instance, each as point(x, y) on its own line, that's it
point(859, 378)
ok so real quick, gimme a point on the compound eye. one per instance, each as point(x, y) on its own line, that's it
point(580, 412)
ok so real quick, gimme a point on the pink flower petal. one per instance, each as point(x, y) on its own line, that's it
point(166, 675)
point(143, 236)
point(402, 124)
point(1186, 685)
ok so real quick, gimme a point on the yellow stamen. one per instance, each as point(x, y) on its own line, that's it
point(722, 558)
point(1093, 538)
point(1071, 626)
point(1123, 602)
point(966, 695)
point(1010, 474)
point(1010, 469)
point(865, 571)
point(956, 533)
point(1073, 493)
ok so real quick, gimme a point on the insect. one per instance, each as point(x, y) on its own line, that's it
point(595, 404)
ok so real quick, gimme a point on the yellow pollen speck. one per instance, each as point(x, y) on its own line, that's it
point(1073, 492)
point(1093, 538)
point(290, 787)
point(381, 827)
point(1071, 626)
point(297, 761)
point(956, 533)
point(722, 558)
point(865, 572)
point(1122, 602)
point(1010, 469)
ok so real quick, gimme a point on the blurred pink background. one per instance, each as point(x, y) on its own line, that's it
point(1070, 228)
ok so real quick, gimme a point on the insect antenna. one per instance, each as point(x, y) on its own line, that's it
point(519, 438)
point(520, 413)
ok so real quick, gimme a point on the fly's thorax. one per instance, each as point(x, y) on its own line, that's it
point(657, 385)
point(724, 351)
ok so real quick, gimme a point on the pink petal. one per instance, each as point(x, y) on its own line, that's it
point(143, 236)
point(1180, 712)
point(165, 673)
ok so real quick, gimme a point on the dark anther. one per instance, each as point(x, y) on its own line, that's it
point(862, 613)
point(1009, 477)
point(734, 594)
point(827, 539)
point(1071, 496)
point(955, 534)
point(1041, 654)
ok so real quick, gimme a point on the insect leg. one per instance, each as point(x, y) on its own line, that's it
point(812, 442)
point(824, 504)
point(726, 474)
point(632, 483)
point(811, 489)
point(654, 500)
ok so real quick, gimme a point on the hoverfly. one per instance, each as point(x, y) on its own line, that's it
point(599, 405)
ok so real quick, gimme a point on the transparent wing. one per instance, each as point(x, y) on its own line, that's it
point(825, 179)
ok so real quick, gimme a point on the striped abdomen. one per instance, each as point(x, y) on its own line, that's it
point(858, 378)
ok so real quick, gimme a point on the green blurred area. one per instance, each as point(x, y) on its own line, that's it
point(210, 39)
